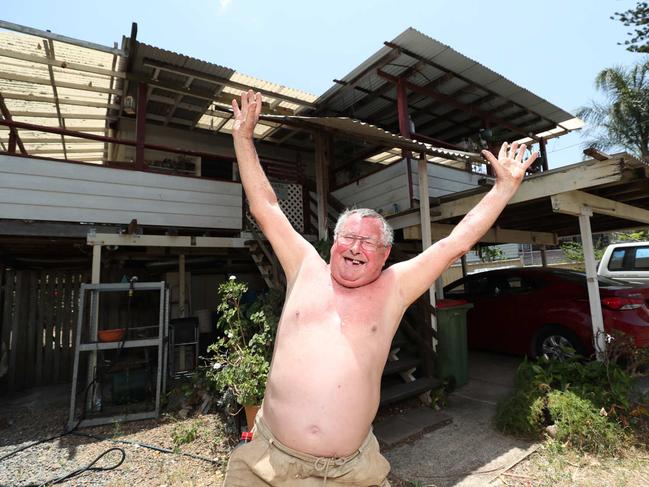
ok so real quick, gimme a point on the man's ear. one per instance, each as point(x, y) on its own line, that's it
point(387, 254)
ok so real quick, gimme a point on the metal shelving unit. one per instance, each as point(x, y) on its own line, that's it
point(87, 343)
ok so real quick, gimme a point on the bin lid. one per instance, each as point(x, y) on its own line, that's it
point(450, 303)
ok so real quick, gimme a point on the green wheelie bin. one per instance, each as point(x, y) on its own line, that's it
point(452, 351)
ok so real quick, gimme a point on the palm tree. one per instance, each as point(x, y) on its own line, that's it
point(622, 120)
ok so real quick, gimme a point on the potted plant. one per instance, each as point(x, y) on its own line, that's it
point(240, 360)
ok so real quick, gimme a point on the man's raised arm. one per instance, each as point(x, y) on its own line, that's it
point(418, 274)
point(289, 246)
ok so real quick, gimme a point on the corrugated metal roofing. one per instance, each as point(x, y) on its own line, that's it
point(36, 73)
point(479, 81)
point(210, 87)
point(365, 131)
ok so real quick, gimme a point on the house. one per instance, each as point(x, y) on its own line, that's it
point(117, 161)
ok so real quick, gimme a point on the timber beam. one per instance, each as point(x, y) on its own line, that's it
point(573, 203)
point(579, 176)
point(165, 241)
point(494, 235)
point(542, 185)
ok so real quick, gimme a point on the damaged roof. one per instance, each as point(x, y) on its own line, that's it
point(451, 96)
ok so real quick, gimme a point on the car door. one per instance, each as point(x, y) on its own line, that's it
point(519, 313)
point(484, 319)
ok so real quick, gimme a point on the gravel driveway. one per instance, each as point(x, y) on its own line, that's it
point(43, 413)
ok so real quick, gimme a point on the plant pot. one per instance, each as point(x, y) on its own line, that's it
point(251, 412)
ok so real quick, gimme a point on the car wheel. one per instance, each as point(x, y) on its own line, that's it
point(557, 343)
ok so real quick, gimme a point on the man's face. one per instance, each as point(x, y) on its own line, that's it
point(358, 253)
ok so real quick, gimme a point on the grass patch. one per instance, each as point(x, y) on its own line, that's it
point(184, 433)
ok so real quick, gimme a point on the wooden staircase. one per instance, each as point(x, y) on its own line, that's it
point(409, 371)
point(266, 261)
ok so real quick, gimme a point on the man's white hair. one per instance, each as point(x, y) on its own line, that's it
point(386, 229)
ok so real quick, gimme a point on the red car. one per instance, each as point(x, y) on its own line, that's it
point(540, 311)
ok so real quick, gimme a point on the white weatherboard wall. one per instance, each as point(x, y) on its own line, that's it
point(33, 189)
point(443, 180)
point(386, 191)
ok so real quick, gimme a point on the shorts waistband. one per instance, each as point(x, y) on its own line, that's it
point(262, 428)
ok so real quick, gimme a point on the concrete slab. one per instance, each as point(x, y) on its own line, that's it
point(396, 430)
point(393, 431)
point(479, 390)
point(469, 452)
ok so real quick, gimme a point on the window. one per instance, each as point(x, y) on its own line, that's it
point(516, 284)
point(616, 262)
point(456, 292)
point(641, 262)
point(480, 287)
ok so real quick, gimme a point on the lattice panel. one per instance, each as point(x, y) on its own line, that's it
point(290, 201)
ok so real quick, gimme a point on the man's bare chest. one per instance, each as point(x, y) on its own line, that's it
point(319, 302)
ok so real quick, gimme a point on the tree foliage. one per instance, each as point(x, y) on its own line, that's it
point(490, 253)
point(638, 18)
point(622, 120)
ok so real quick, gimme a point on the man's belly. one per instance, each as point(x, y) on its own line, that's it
point(321, 399)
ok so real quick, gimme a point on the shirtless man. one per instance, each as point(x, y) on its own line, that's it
point(337, 325)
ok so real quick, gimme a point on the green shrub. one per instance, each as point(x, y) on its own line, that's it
point(588, 402)
point(240, 361)
point(581, 425)
point(521, 414)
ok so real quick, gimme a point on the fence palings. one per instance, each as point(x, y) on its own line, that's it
point(38, 326)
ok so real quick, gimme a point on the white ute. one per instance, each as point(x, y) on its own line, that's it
point(627, 261)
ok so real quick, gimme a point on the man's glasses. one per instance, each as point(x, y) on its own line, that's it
point(365, 242)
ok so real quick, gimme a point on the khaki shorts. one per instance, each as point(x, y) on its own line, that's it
point(266, 461)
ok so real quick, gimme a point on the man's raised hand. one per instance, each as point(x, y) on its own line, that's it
point(510, 166)
point(246, 117)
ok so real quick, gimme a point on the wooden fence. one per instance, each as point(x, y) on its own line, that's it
point(38, 327)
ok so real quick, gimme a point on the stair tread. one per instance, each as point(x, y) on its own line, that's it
point(394, 366)
point(399, 342)
point(409, 389)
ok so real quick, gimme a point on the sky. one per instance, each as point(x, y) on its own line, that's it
point(554, 48)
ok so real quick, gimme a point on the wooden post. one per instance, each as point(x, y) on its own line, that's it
point(96, 264)
point(544, 256)
point(7, 311)
point(465, 270)
point(94, 325)
point(404, 131)
point(12, 142)
point(544, 154)
point(181, 284)
point(322, 160)
point(140, 126)
point(599, 336)
point(426, 238)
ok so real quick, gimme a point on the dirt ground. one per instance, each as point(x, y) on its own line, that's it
point(204, 436)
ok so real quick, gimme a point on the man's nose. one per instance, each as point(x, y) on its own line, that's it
point(356, 246)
